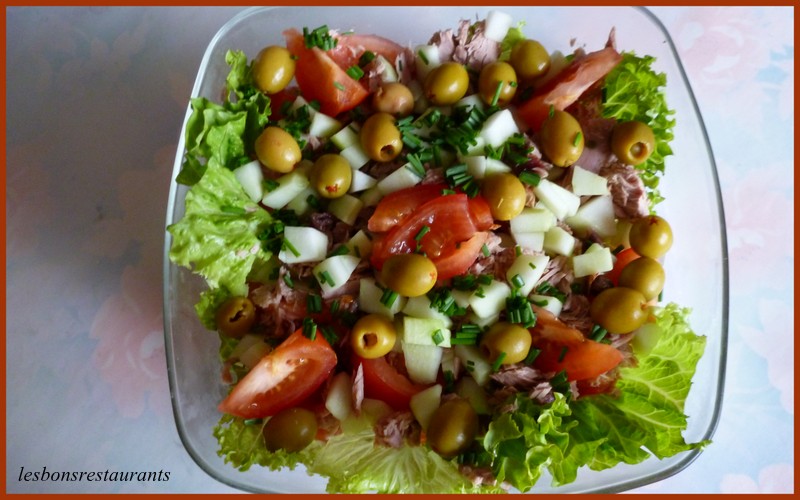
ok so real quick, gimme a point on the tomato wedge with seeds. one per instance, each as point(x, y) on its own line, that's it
point(284, 378)
point(462, 256)
point(395, 207)
point(568, 85)
point(382, 381)
point(582, 361)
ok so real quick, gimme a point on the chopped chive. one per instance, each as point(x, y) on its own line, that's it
point(532, 355)
point(338, 85)
point(530, 178)
point(335, 306)
point(415, 165)
point(598, 333)
point(512, 83)
point(422, 232)
point(423, 57)
point(496, 95)
point(532, 265)
point(329, 334)
point(309, 328)
point(449, 379)
point(271, 184)
point(355, 72)
point(273, 275)
point(389, 297)
point(498, 361)
point(288, 280)
point(288, 246)
point(485, 250)
point(518, 252)
point(325, 277)
point(313, 303)
point(445, 192)
point(252, 421)
point(438, 337)
point(563, 353)
point(577, 140)
point(551, 111)
point(366, 58)
point(484, 279)
point(518, 281)
point(340, 250)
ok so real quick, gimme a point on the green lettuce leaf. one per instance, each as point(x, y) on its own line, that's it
point(218, 234)
point(634, 91)
point(206, 308)
point(513, 36)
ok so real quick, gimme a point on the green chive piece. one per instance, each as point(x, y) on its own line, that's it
point(485, 250)
point(518, 281)
point(497, 92)
point(563, 353)
point(355, 72)
point(532, 355)
point(338, 85)
point(288, 246)
point(422, 232)
point(389, 297)
point(438, 337)
point(366, 58)
point(578, 138)
point(530, 178)
point(309, 328)
point(498, 361)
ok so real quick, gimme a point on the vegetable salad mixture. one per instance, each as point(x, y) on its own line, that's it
point(437, 268)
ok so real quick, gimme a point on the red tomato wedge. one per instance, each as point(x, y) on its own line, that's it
point(624, 258)
point(450, 220)
point(567, 86)
point(395, 207)
point(460, 258)
point(350, 47)
point(382, 381)
point(321, 79)
point(284, 378)
point(582, 361)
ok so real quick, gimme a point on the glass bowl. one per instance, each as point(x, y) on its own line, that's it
point(693, 206)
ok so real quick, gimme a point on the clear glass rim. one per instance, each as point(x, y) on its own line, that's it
point(169, 269)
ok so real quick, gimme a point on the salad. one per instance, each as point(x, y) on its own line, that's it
point(436, 268)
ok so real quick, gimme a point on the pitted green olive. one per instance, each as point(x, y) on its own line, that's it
point(393, 98)
point(452, 428)
point(409, 274)
point(505, 195)
point(235, 316)
point(619, 309)
point(446, 83)
point(331, 175)
point(373, 336)
point(273, 69)
point(633, 142)
point(290, 430)
point(650, 236)
point(530, 59)
point(562, 139)
point(497, 83)
point(645, 275)
point(381, 138)
point(508, 340)
point(277, 150)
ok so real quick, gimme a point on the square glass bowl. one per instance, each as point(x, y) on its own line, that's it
point(696, 264)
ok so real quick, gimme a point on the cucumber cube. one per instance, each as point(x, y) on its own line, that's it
point(369, 299)
point(560, 201)
point(592, 261)
point(346, 208)
point(490, 299)
point(475, 363)
point(586, 183)
point(251, 178)
point(422, 362)
point(529, 268)
point(425, 331)
point(333, 272)
point(559, 242)
point(425, 403)
point(303, 244)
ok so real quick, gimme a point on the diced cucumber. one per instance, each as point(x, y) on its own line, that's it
point(449, 361)
point(478, 148)
point(300, 204)
point(474, 362)
point(346, 208)
point(529, 268)
point(560, 201)
point(498, 128)
point(461, 297)
point(360, 244)
point(482, 322)
point(594, 261)
point(595, 215)
point(323, 125)
point(425, 403)
point(303, 244)
point(371, 196)
point(361, 181)
point(645, 338)
point(469, 389)
point(420, 307)
point(476, 166)
point(386, 69)
point(299, 102)
point(289, 187)
point(547, 302)
point(422, 362)
point(424, 331)
point(426, 58)
point(345, 137)
point(355, 155)
point(401, 178)
point(497, 25)
point(559, 242)
point(334, 272)
point(369, 299)
point(339, 400)
point(490, 299)
point(586, 183)
point(532, 220)
point(494, 166)
point(252, 355)
point(251, 178)
point(264, 270)
point(471, 101)
point(531, 241)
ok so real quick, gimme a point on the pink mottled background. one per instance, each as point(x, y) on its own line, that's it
point(96, 98)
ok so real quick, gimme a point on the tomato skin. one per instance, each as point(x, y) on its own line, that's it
point(350, 48)
point(277, 101)
point(624, 258)
point(321, 79)
point(284, 378)
point(566, 87)
point(458, 260)
point(582, 361)
point(395, 207)
point(382, 381)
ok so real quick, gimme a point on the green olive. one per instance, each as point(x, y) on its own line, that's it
point(644, 275)
point(452, 428)
point(409, 274)
point(446, 83)
point(331, 175)
point(235, 316)
point(505, 194)
point(273, 69)
point(292, 430)
point(381, 138)
point(650, 236)
point(277, 150)
point(633, 142)
point(393, 98)
point(497, 80)
point(508, 340)
point(530, 59)
point(562, 139)
point(373, 336)
point(619, 309)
